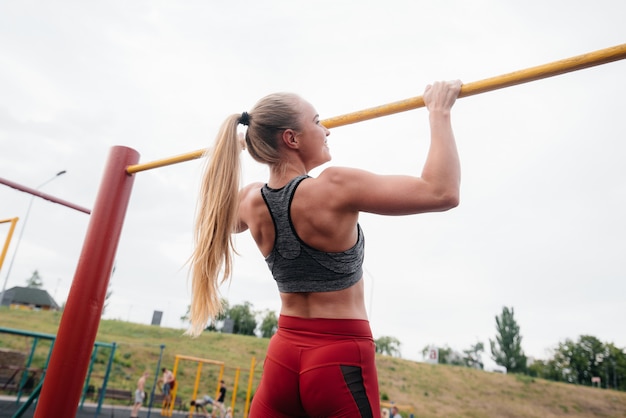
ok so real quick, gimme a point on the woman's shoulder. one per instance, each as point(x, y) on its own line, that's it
point(250, 188)
point(250, 194)
point(342, 176)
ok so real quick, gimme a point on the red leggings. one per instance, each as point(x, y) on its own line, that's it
point(319, 368)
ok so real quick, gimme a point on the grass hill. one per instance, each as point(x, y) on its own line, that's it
point(425, 390)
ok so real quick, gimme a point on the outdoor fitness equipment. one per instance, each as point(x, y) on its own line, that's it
point(167, 410)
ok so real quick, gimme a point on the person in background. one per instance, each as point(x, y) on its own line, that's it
point(200, 404)
point(321, 361)
point(395, 413)
point(219, 403)
point(168, 383)
point(140, 395)
point(229, 412)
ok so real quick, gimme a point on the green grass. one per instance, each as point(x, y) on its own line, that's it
point(426, 390)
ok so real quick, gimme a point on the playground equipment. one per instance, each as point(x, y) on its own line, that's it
point(5, 248)
point(167, 410)
point(33, 192)
point(37, 336)
point(70, 356)
point(42, 195)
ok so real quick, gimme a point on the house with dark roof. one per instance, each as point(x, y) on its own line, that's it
point(29, 298)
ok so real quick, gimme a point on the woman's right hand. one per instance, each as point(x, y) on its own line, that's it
point(441, 95)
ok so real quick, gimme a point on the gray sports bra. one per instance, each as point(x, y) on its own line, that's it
point(297, 267)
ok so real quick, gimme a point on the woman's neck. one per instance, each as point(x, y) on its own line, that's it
point(281, 175)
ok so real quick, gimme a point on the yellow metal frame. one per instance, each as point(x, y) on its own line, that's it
point(167, 410)
point(249, 391)
point(7, 242)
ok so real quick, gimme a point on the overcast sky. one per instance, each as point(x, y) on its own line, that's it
point(541, 224)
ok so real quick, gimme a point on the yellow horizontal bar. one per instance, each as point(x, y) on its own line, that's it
point(166, 161)
point(579, 62)
point(202, 360)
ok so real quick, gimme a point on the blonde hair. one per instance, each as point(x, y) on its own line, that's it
point(216, 216)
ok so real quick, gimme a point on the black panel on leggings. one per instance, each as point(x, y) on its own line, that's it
point(354, 380)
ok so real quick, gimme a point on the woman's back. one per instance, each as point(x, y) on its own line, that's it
point(315, 212)
point(318, 223)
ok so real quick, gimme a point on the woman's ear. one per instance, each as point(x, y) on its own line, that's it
point(290, 139)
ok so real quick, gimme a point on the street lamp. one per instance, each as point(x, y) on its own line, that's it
point(19, 238)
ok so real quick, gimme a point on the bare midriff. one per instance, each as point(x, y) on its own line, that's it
point(341, 304)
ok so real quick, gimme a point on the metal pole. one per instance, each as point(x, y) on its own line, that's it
point(19, 238)
point(61, 391)
point(22, 409)
point(94, 355)
point(567, 65)
point(25, 372)
point(235, 386)
point(196, 385)
point(106, 380)
point(44, 196)
point(7, 242)
point(246, 407)
point(156, 378)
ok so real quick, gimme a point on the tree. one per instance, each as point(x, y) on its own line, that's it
point(591, 354)
point(243, 319)
point(216, 323)
point(108, 294)
point(388, 345)
point(34, 281)
point(578, 362)
point(473, 356)
point(539, 368)
point(507, 349)
point(185, 318)
point(269, 324)
point(212, 325)
point(106, 298)
point(615, 367)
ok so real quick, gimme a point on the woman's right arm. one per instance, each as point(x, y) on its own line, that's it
point(442, 167)
point(437, 189)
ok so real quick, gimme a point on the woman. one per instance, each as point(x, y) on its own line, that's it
point(321, 361)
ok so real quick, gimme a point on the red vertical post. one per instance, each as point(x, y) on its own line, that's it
point(64, 379)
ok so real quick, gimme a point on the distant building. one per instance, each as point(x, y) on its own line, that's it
point(29, 298)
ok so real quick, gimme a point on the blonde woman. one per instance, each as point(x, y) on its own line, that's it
point(321, 360)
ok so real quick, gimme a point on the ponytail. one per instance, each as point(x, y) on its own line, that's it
point(215, 222)
point(219, 194)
